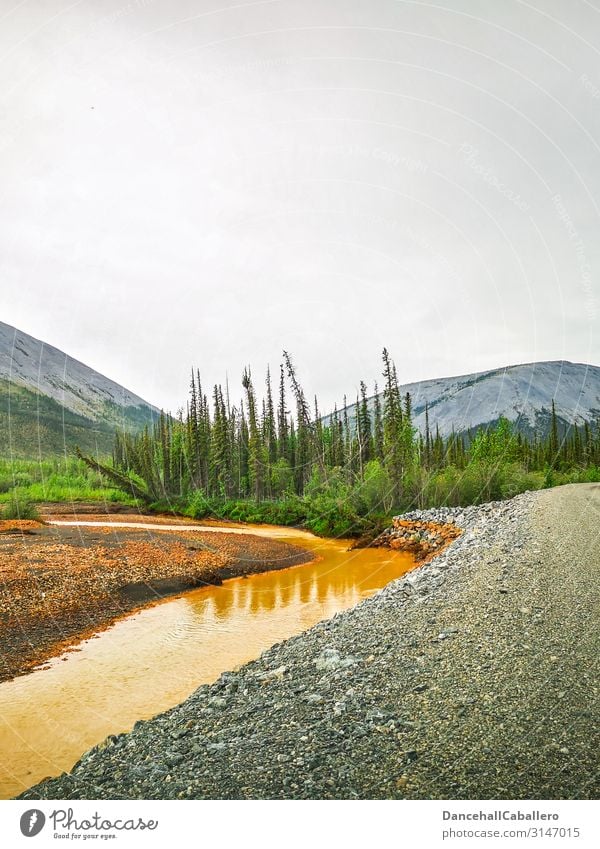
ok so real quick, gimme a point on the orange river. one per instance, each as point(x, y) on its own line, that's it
point(153, 659)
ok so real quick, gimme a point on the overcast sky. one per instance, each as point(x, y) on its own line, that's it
point(202, 182)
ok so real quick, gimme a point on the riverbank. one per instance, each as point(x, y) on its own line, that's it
point(61, 584)
point(472, 677)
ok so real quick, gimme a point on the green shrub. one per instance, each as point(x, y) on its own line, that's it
point(198, 506)
point(16, 509)
point(516, 480)
point(6, 484)
point(375, 491)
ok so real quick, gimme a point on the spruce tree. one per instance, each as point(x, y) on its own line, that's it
point(256, 460)
point(364, 428)
point(377, 425)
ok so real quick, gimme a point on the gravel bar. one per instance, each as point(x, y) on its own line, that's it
point(473, 677)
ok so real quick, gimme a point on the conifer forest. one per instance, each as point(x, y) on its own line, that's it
point(273, 456)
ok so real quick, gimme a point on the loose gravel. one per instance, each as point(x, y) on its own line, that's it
point(473, 677)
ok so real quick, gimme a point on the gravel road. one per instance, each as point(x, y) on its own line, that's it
point(474, 677)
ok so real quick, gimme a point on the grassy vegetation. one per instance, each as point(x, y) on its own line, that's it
point(60, 480)
point(334, 509)
point(328, 508)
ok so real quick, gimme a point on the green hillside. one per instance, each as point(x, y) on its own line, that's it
point(34, 425)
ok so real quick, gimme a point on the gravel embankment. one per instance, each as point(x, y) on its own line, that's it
point(473, 677)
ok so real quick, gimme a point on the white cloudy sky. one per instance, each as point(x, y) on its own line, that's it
point(206, 182)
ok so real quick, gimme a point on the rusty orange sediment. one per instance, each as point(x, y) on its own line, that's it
point(58, 586)
point(424, 540)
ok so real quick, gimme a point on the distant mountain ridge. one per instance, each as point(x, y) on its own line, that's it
point(521, 393)
point(50, 402)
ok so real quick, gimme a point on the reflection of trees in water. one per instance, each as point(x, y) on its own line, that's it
point(333, 583)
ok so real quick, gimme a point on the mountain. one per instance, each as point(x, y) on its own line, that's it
point(50, 402)
point(521, 393)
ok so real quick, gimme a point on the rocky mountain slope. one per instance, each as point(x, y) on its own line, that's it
point(521, 393)
point(50, 402)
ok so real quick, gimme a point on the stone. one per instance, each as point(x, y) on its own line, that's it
point(330, 659)
point(313, 698)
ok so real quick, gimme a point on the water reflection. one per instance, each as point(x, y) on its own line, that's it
point(152, 660)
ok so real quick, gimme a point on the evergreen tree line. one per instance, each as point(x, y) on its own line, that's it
point(363, 460)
